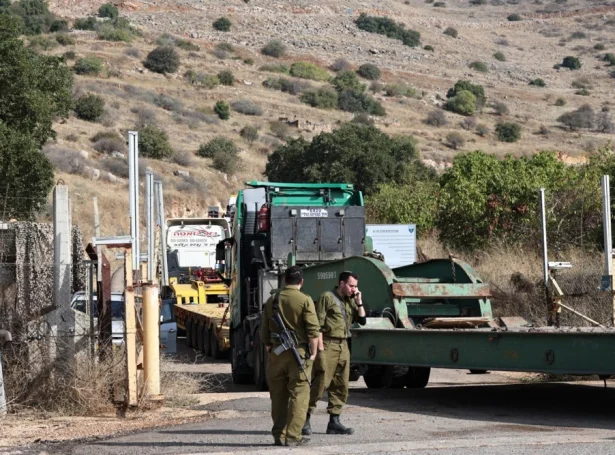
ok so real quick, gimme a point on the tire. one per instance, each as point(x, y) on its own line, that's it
point(355, 374)
point(259, 372)
point(200, 342)
point(373, 378)
point(206, 342)
point(417, 377)
point(189, 333)
point(236, 373)
point(393, 376)
point(216, 353)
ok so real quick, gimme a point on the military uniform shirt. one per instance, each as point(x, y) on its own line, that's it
point(330, 315)
point(298, 313)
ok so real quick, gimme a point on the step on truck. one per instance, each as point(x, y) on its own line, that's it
point(199, 295)
point(308, 223)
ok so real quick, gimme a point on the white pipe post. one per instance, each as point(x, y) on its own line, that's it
point(606, 220)
point(133, 187)
point(164, 276)
point(151, 223)
point(545, 258)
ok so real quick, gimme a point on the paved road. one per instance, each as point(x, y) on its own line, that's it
point(457, 413)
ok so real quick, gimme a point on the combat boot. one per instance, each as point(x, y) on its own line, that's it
point(307, 428)
point(336, 427)
point(302, 442)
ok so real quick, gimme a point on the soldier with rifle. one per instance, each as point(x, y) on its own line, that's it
point(290, 332)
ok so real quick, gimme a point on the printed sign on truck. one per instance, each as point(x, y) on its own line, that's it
point(397, 242)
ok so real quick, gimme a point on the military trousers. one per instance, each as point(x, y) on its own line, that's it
point(289, 391)
point(331, 372)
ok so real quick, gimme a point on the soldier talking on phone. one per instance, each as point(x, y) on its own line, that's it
point(336, 310)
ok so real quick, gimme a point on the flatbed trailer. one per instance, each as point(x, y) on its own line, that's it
point(437, 314)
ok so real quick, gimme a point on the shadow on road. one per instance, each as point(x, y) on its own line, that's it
point(553, 404)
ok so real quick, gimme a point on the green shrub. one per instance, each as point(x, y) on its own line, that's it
point(369, 71)
point(508, 131)
point(154, 143)
point(609, 58)
point(499, 56)
point(65, 40)
point(464, 103)
point(359, 102)
point(276, 68)
point(450, 31)
point(108, 10)
point(248, 61)
point(35, 14)
point(247, 107)
point(323, 98)
point(455, 140)
point(226, 77)
point(273, 83)
point(340, 64)
point(571, 62)
point(376, 87)
point(439, 5)
point(560, 102)
point(69, 55)
point(226, 47)
point(482, 130)
point(578, 35)
point(389, 28)
point(85, 23)
point(538, 82)
point(429, 48)
point(307, 70)
point(168, 103)
point(109, 32)
point(347, 80)
point(165, 39)
point(280, 129)
point(476, 89)
point(163, 59)
point(217, 145)
point(436, 118)
point(208, 81)
point(90, 107)
point(227, 164)
point(222, 24)
point(599, 47)
point(91, 66)
point(223, 110)
point(249, 133)
point(514, 17)
point(398, 90)
point(42, 42)
point(500, 108)
point(187, 45)
point(274, 48)
point(59, 25)
point(481, 67)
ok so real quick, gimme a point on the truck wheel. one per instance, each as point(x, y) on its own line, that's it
point(215, 347)
point(260, 366)
point(355, 374)
point(417, 377)
point(236, 374)
point(206, 342)
point(189, 333)
point(200, 342)
point(478, 371)
point(393, 376)
point(373, 378)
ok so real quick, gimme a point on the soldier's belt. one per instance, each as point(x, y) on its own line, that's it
point(333, 339)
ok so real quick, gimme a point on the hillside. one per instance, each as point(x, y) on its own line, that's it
point(322, 32)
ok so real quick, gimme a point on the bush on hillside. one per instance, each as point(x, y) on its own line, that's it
point(274, 48)
point(389, 28)
point(222, 24)
point(90, 107)
point(476, 89)
point(538, 82)
point(464, 103)
point(347, 80)
point(369, 71)
point(499, 56)
point(307, 70)
point(154, 143)
point(90, 66)
point(222, 110)
point(571, 62)
point(59, 25)
point(163, 59)
point(359, 102)
point(481, 67)
point(249, 133)
point(323, 98)
point(436, 118)
point(226, 77)
point(398, 90)
point(35, 15)
point(450, 31)
point(108, 10)
point(85, 23)
point(247, 107)
point(455, 140)
point(508, 131)
point(581, 118)
point(276, 68)
point(341, 64)
point(514, 17)
point(218, 145)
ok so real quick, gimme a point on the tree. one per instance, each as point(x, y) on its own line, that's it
point(226, 77)
point(581, 118)
point(154, 143)
point(347, 80)
point(163, 59)
point(249, 133)
point(476, 89)
point(35, 15)
point(218, 145)
point(26, 175)
point(222, 24)
point(355, 153)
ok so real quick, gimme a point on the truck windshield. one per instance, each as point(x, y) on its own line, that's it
point(195, 244)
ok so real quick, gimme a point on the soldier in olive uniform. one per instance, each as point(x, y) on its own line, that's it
point(336, 310)
point(289, 388)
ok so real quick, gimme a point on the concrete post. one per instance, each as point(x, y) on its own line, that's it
point(151, 342)
point(63, 319)
point(5, 335)
point(130, 332)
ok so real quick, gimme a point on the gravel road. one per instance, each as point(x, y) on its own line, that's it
point(457, 413)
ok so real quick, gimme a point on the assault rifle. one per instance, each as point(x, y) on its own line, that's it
point(287, 339)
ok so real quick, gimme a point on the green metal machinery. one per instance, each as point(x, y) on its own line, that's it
point(437, 314)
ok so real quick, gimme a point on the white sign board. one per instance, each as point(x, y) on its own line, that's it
point(314, 213)
point(397, 242)
point(195, 244)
